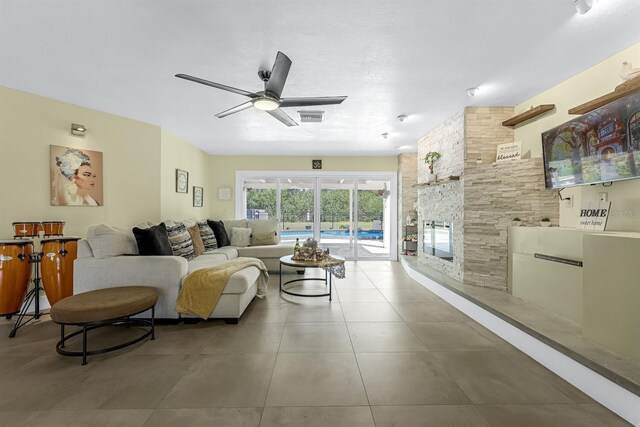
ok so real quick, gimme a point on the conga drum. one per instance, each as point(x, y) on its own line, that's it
point(15, 272)
point(24, 229)
point(53, 228)
point(57, 267)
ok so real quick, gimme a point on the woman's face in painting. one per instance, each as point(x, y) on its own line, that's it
point(85, 179)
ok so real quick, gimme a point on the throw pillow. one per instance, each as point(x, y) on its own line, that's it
point(263, 239)
point(153, 240)
point(181, 243)
point(198, 245)
point(108, 241)
point(240, 237)
point(221, 234)
point(208, 238)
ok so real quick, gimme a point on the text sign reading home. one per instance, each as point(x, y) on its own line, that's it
point(508, 152)
point(593, 216)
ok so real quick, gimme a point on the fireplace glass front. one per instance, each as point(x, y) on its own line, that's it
point(436, 239)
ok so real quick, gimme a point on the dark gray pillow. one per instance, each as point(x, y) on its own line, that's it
point(221, 234)
point(153, 240)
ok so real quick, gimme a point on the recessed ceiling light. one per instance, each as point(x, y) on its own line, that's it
point(472, 91)
point(583, 6)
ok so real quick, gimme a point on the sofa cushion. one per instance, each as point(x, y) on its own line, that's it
point(265, 226)
point(220, 232)
point(240, 237)
point(229, 252)
point(270, 251)
point(230, 223)
point(108, 241)
point(204, 261)
point(263, 239)
point(153, 240)
point(198, 245)
point(181, 243)
point(208, 237)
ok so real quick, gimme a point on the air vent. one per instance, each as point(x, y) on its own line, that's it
point(310, 116)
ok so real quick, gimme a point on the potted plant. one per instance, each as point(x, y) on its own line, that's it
point(545, 222)
point(516, 222)
point(430, 159)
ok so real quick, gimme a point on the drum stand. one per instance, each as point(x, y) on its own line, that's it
point(33, 295)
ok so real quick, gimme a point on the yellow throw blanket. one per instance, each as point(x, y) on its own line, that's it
point(202, 288)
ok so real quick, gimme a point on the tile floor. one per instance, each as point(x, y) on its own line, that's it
point(385, 352)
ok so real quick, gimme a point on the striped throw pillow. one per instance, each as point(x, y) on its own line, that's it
point(208, 238)
point(181, 242)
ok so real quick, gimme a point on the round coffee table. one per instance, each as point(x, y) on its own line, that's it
point(289, 262)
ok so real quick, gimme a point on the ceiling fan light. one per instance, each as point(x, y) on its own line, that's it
point(266, 104)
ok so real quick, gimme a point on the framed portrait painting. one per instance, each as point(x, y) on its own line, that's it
point(197, 197)
point(75, 177)
point(182, 181)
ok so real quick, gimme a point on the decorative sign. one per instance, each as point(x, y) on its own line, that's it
point(316, 164)
point(593, 216)
point(508, 152)
point(224, 193)
point(558, 259)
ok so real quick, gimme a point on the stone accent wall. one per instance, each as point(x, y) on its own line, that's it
point(488, 195)
point(447, 139)
point(443, 202)
point(494, 194)
point(407, 193)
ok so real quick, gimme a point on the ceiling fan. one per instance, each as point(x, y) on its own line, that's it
point(269, 99)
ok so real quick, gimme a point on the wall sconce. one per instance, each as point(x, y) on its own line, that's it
point(472, 91)
point(385, 135)
point(77, 129)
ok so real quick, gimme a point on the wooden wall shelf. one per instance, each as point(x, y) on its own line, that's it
point(624, 89)
point(438, 182)
point(529, 114)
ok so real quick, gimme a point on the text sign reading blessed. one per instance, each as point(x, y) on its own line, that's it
point(593, 216)
point(508, 152)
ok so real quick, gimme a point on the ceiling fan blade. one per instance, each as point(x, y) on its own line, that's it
point(235, 109)
point(279, 74)
point(217, 85)
point(310, 101)
point(283, 117)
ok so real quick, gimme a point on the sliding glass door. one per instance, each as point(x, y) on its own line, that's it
point(351, 214)
point(297, 216)
point(337, 216)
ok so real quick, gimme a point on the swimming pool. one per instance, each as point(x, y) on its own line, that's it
point(370, 234)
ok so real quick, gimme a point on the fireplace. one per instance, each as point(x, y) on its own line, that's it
point(436, 239)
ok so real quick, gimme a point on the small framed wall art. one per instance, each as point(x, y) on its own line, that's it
point(316, 164)
point(224, 193)
point(182, 181)
point(197, 196)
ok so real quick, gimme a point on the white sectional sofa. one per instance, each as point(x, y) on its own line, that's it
point(107, 258)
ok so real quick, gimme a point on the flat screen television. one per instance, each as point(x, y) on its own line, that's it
point(600, 146)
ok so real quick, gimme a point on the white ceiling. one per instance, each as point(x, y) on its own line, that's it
point(389, 57)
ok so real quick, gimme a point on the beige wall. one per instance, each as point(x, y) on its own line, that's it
point(223, 171)
point(596, 81)
point(131, 161)
point(176, 153)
